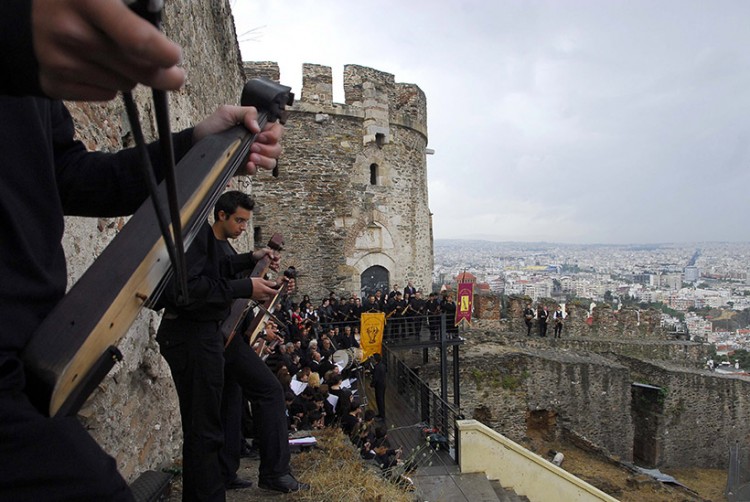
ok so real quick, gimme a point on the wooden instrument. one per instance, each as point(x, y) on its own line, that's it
point(266, 312)
point(73, 349)
point(242, 306)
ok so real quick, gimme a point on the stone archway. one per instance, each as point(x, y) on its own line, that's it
point(374, 278)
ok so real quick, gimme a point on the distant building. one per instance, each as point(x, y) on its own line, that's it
point(692, 273)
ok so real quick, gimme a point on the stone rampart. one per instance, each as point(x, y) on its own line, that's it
point(519, 392)
point(701, 413)
point(584, 321)
point(522, 385)
point(351, 194)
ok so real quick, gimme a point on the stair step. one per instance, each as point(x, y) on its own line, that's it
point(506, 494)
point(474, 487)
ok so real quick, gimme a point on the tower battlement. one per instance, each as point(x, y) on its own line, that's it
point(368, 93)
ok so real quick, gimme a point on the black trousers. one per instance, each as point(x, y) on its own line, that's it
point(380, 399)
point(45, 458)
point(248, 374)
point(195, 353)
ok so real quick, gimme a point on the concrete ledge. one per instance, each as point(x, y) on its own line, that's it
point(483, 450)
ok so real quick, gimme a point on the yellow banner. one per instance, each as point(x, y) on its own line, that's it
point(371, 333)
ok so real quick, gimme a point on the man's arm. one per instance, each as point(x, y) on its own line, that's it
point(109, 184)
point(82, 50)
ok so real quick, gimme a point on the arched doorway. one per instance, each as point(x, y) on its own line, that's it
point(372, 279)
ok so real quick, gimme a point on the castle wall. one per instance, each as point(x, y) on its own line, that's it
point(517, 392)
point(703, 414)
point(133, 414)
point(628, 323)
point(335, 222)
point(519, 385)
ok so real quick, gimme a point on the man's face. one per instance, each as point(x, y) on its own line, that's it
point(231, 226)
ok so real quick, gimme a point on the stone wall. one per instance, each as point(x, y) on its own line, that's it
point(627, 323)
point(335, 221)
point(702, 414)
point(133, 414)
point(488, 306)
point(582, 388)
point(520, 393)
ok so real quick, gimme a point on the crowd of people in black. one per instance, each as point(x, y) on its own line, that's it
point(407, 312)
point(315, 354)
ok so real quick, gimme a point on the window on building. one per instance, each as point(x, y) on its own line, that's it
point(379, 139)
point(257, 235)
point(373, 174)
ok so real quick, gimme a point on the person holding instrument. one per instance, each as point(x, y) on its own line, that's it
point(191, 342)
point(77, 50)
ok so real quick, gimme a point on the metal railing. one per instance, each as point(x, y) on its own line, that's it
point(438, 416)
point(400, 330)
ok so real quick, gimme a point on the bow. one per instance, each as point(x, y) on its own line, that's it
point(73, 349)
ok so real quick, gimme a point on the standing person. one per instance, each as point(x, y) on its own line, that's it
point(55, 50)
point(190, 340)
point(371, 305)
point(542, 318)
point(380, 300)
point(245, 373)
point(392, 294)
point(528, 318)
point(448, 306)
point(558, 317)
point(433, 316)
point(409, 291)
point(378, 383)
point(325, 314)
point(417, 310)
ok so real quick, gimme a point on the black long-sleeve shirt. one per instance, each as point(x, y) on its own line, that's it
point(46, 174)
point(213, 268)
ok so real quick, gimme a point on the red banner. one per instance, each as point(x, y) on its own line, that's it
point(464, 301)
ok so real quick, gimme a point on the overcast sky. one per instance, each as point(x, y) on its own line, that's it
point(562, 121)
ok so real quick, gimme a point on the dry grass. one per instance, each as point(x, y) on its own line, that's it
point(337, 473)
point(626, 486)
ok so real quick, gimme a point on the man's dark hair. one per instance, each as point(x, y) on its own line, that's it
point(231, 200)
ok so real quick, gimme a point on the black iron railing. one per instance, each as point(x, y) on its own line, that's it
point(437, 415)
point(406, 330)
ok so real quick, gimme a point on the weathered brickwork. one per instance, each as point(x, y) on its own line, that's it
point(702, 415)
point(134, 414)
point(488, 306)
point(336, 222)
point(514, 389)
point(582, 387)
point(628, 323)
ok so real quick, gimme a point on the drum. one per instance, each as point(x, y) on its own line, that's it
point(346, 358)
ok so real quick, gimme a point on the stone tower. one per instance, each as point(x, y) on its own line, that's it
point(350, 197)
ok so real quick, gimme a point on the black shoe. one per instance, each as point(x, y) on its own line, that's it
point(284, 484)
point(238, 484)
